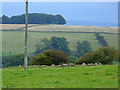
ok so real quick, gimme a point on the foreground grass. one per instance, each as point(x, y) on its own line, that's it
point(55, 77)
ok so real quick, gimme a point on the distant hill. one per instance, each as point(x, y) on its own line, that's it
point(34, 18)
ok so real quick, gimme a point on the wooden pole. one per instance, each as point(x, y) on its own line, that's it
point(26, 26)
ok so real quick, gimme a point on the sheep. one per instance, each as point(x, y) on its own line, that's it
point(89, 64)
point(72, 64)
point(43, 65)
point(63, 65)
point(53, 65)
point(83, 64)
point(19, 65)
point(100, 63)
point(35, 65)
point(96, 64)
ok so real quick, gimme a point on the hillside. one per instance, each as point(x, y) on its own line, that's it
point(13, 38)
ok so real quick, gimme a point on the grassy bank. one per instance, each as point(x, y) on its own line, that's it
point(55, 77)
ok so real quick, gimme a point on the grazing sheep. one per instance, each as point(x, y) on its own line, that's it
point(96, 64)
point(76, 65)
point(43, 65)
point(89, 64)
point(35, 65)
point(83, 64)
point(63, 65)
point(53, 65)
point(59, 65)
point(100, 63)
point(72, 64)
point(19, 65)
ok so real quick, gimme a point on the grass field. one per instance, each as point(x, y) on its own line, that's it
point(13, 41)
point(52, 27)
point(105, 76)
point(55, 77)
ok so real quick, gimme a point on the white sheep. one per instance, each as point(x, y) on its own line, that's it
point(100, 63)
point(96, 64)
point(83, 64)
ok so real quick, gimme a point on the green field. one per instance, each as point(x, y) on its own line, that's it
point(55, 77)
point(105, 76)
point(13, 41)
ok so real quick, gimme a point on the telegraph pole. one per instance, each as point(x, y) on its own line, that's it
point(26, 27)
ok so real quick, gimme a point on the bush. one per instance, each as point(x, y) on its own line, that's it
point(72, 59)
point(104, 55)
point(50, 57)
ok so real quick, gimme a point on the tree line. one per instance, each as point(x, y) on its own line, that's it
point(56, 51)
point(61, 44)
point(34, 18)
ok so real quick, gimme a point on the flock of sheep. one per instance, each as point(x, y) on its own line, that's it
point(73, 65)
point(83, 64)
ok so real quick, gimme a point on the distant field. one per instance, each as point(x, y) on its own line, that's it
point(13, 41)
point(36, 27)
point(55, 77)
point(13, 26)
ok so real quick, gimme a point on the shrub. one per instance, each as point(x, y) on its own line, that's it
point(108, 54)
point(72, 59)
point(87, 58)
point(50, 57)
point(104, 55)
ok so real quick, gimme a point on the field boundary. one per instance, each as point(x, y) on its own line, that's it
point(62, 31)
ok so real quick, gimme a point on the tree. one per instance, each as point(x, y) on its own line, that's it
point(60, 43)
point(60, 19)
point(34, 18)
point(50, 57)
point(20, 19)
point(55, 43)
point(44, 44)
point(82, 48)
point(5, 20)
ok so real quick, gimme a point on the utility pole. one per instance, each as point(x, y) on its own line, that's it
point(26, 26)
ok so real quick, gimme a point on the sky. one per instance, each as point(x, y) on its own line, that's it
point(61, 0)
point(100, 12)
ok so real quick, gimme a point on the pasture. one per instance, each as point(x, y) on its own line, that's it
point(105, 76)
point(13, 41)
